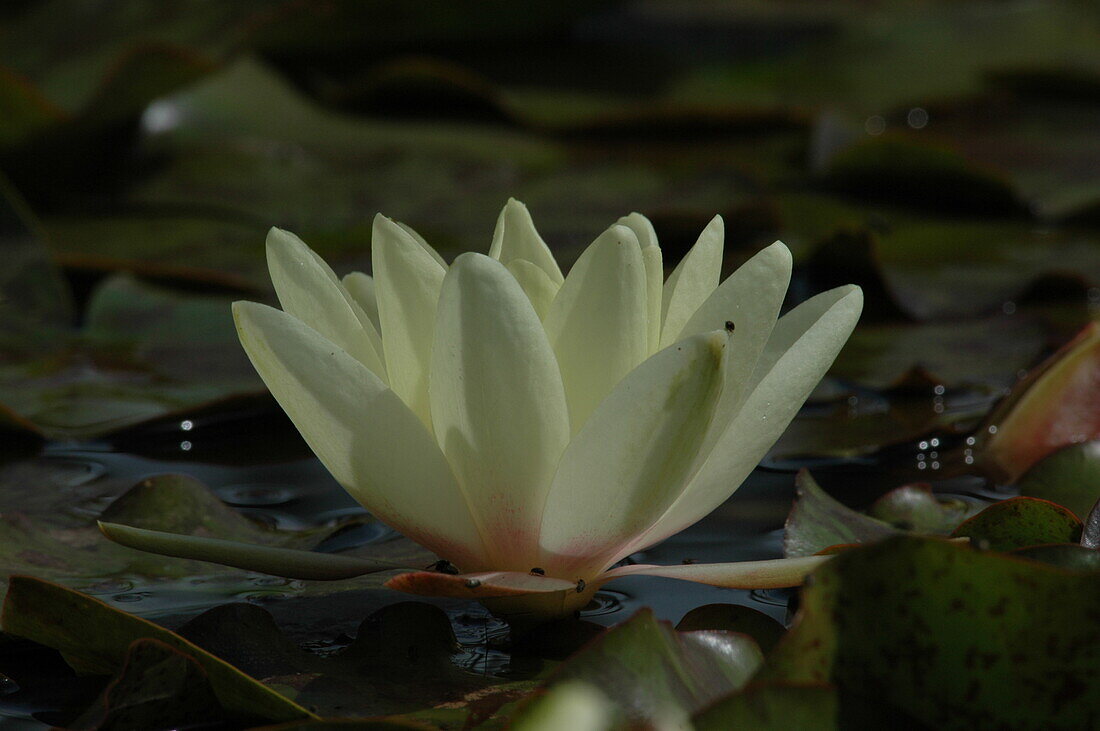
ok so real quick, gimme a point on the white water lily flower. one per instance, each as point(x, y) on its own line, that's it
point(530, 428)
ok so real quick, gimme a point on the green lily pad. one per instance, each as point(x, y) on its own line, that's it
point(655, 674)
point(95, 638)
point(1070, 477)
point(1021, 522)
point(774, 706)
point(954, 637)
point(903, 171)
point(818, 521)
point(1066, 555)
point(734, 618)
point(144, 352)
point(156, 685)
point(916, 508)
point(49, 540)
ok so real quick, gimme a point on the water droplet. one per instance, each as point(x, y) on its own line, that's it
point(1009, 308)
point(971, 441)
point(969, 459)
point(185, 446)
point(935, 465)
point(922, 465)
point(875, 125)
point(1021, 374)
point(922, 446)
point(935, 442)
point(187, 425)
point(939, 390)
point(992, 429)
point(917, 118)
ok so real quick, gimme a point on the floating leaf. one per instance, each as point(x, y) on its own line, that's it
point(1069, 477)
point(916, 508)
point(903, 171)
point(818, 521)
point(659, 676)
point(95, 638)
point(1020, 522)
point(774, 706)
point(956, 638)
point(1066, 555)
point(156, 685)
point(734, 618)
point(1057, 405)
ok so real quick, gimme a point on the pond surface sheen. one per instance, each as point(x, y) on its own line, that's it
point(256, 463)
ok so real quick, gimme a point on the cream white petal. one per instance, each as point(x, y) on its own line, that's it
point(750, 299)
point(654, 272)
point(361, 288)
point(692, 281)
point(597, 324)
point(536, 283)
point(775, 573)
point(407, 283)
point(362, 433)
point(515, 237)
point(632, 458)
point(423, 243)
point(794, 325)
point(762, 417)
point(309, 290)
point(497, 403)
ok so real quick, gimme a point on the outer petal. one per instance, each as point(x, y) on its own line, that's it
point(654, 272)
point(750, 299)
point(793, 325)
point(536, 283)
point(692, 281)
point(423, 243)
point(632, 458)
point(407, 283)
point(362, 432)
point(770, 574)
point(515, 237)
point(309, 290)
point(762, 418)
point(597, 324)
point(361, 288)
point(498, 404)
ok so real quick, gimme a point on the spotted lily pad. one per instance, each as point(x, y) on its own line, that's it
point(1070, 477)
point(956, 638)
point(1021, 522)
point(916, 508)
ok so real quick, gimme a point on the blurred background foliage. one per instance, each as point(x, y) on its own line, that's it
point(944, 155)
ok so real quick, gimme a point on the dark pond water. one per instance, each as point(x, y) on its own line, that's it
point(255, 462)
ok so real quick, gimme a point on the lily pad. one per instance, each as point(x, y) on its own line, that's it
point(818, 521)
point(1070, 477)
point(95, 638)
point(916, 508)
point(734, 618)
point(657, 675)
point(774, 706)
point(955, 638)
point(1021, 522)
point(157, 684)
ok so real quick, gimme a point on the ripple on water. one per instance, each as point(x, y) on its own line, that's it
point(258, 494)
